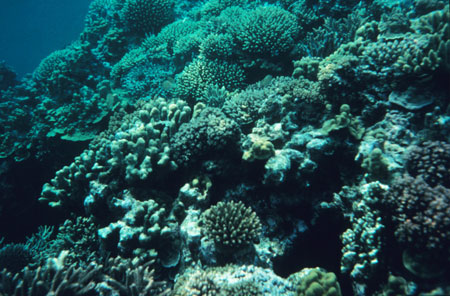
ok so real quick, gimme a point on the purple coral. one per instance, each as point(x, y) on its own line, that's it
point(431, 160)
point(420, 213)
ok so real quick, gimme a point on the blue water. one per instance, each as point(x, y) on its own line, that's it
point(32, 29)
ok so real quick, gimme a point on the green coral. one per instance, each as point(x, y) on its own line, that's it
point(215, 7)
point(202, 72)
point(64, 70)
point(376, 164)
point(231, 225)
point(217, 46)
point(79, 237)
point(431, 49)
point(344, 120)
point(268, 31)
point(217, 281)
point(261, 148)
point(147, 16)
point(396, 286)
point(319, 283)
point(307, 67)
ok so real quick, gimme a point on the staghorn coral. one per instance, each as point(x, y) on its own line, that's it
point(324, 40)
point(231, 225)
point(215, 7)
point(122, 277)
point(131, 277)
point(53, 278)
point(146, 79)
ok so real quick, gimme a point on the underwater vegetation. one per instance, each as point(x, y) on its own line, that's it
point(225, 147)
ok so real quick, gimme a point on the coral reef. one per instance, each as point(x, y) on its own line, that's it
point(217, 147)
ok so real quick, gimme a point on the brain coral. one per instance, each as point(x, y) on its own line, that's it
point(231, 224)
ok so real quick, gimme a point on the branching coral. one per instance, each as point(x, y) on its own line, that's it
point(145, 16)
point(267, 31)
point(202, 72)
point(122, 277)
point(196, 283)
point(127, 153)
point(421, 214)
point(231, 225)
point(14, 257)
point(209, 132)
point(431, 161)
point(131, 277)
point(51, 279)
